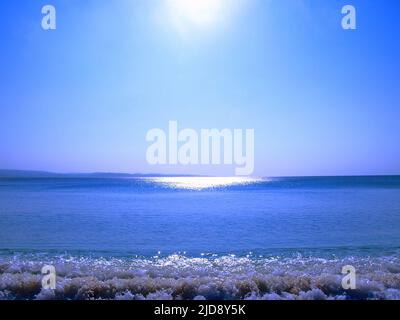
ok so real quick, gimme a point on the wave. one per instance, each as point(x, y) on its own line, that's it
point(179, 277)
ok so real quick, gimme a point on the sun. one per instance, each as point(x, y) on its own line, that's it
point(200, 13)
point(192, 18)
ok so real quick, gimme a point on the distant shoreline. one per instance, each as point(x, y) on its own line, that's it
point(5, 173)
point(47, 174)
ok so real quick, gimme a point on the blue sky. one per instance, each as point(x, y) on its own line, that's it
point(322, 100)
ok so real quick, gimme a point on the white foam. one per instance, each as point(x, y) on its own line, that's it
point(180, 277)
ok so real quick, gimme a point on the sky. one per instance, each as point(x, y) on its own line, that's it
point(81, 98)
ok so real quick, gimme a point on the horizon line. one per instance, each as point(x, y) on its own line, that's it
point(20, 174)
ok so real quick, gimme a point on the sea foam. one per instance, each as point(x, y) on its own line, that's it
point(177, 277)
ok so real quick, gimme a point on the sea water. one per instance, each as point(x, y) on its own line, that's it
point(200, 237)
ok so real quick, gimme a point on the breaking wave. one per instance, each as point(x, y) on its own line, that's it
point(178, 277)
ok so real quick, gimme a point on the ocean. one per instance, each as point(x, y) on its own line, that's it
point(200, 237)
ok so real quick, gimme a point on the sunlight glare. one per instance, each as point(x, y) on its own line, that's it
point(198, 12)
point(200, 183)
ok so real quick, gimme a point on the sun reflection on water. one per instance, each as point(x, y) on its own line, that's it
point(200, 183)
